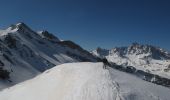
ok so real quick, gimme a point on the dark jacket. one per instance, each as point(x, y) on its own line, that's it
point(105, 62)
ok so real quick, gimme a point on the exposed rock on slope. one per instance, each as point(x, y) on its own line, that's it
point(25, 53)
point(143, 57)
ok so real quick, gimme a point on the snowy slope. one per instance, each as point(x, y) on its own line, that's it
point(143, 57)
point(26, 53)
point(85, 81)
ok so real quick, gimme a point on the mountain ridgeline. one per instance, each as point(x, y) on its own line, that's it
point(145, 61)
point(25, 53)
point(135, 49)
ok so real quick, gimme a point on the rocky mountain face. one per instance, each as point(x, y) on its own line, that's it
point(25, 53)
point(147, 58)
point(101, 53)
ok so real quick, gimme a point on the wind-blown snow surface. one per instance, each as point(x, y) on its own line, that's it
point(85, 81)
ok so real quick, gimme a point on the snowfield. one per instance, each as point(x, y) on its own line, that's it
point(85, 81)
point(25, 53)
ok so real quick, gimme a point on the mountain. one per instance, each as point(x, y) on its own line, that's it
point(148, 58)
point(85, 81)
point(25, 53)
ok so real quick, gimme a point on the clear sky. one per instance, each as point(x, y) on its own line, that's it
point(93, 23)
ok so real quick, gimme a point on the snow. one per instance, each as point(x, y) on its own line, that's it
point(140, 59)
point(133, 88)
point(85, 81)
point(154, 66)
point(32, 54)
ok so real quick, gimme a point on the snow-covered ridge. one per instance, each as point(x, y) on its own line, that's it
point(25, 53)
point(85, 81)
point(143, 57)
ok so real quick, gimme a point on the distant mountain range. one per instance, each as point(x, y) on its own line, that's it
point(25, 53)
point(29, 55)
point(143, 57)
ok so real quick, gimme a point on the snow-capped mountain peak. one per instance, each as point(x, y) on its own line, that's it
point(99, 52)
point(24, 53)
point(18, 26)
point(154, 52)
point(135, 49)
point(46, 35)
point(144, 57)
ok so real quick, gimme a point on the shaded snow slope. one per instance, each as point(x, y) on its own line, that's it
point(26, 53)
point(148, 58)
point(85, 81)
point(133, 88)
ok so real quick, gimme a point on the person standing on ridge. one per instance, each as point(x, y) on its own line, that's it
point(105, 63)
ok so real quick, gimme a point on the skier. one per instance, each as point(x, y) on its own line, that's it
point(105, 63)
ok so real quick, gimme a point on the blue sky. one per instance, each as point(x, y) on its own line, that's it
point(93, 23)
